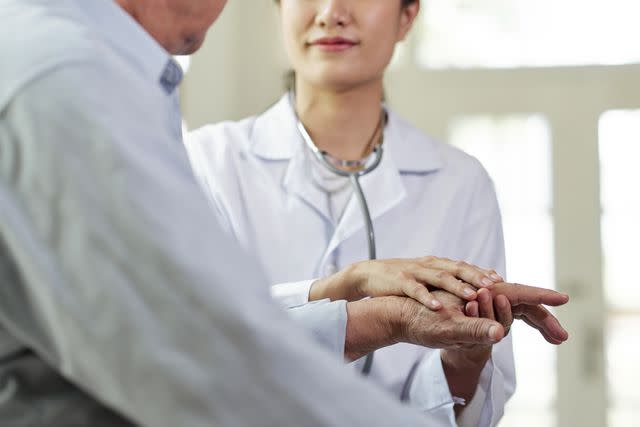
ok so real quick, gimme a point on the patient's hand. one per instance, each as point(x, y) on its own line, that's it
point(466, 330)
point(525, 303)
point(378, 322)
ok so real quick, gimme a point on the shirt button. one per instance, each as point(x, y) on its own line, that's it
point(330, 269)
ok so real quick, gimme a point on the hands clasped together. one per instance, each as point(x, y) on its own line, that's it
point(437, 303)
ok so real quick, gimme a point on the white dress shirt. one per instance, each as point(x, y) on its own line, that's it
point(425, 198)
point(121, 300)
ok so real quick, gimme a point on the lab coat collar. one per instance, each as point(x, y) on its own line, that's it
point(275, 137)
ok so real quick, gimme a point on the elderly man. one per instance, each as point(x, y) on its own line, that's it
point(121, 303)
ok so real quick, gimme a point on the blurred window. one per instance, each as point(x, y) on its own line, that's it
point(528, 33)
point(516, 151)
point(620, 177)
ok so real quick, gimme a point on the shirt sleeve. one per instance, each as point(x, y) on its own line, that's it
point(483, 243)
point(131, 291)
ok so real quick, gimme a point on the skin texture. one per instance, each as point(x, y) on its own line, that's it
point(180, 26)
point(383, 321)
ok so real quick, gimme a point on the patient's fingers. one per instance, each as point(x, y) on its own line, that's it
point(471, 309)
point(522, 294)
point(541, 330)
point(485, 304)
point(541, 319)
point(503, 311)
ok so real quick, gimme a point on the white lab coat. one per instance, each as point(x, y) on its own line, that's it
point(425, 198)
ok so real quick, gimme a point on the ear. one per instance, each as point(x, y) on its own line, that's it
point(408, 16)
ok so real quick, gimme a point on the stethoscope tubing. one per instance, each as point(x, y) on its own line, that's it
point(354, 178)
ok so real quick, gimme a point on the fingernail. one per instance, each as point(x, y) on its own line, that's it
point(486, 281)
point(468, 292)
point(496, 277)
point(493, 333)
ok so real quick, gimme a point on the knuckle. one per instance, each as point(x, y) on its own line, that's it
point(404, 276)
point(461, 266)
point(442, 275)
point(416, 289)
point(429, 259)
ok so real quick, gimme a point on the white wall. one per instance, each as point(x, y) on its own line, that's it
point(240, 69)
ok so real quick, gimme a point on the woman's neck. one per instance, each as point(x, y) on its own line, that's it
point(341, 123)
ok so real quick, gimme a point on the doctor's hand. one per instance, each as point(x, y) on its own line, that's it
point(413, 278)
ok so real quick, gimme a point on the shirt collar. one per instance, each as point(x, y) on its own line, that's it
point(276, 137)
point(128, 37)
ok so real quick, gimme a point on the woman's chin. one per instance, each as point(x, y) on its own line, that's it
point(340, 81)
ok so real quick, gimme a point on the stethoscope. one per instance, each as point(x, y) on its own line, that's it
point(354, 170)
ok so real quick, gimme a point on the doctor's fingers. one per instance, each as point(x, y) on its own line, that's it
point(469, 273)
point(521, 294)
point(541, 319)
point(420, 293)
point(446, 281)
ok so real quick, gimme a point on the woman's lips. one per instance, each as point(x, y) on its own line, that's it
point(334, 44)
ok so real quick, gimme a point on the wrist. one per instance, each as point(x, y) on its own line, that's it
point(346, 284)
point(371, 324)
point(466, 360)
point(462, 368)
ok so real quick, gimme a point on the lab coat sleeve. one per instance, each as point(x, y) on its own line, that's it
point(324, 319)
point(483, 244)
point(292, 294)
point(127, 287)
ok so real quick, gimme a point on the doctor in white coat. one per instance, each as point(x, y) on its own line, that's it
point(425, 198)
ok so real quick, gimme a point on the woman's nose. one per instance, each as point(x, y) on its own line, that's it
point(334, 13)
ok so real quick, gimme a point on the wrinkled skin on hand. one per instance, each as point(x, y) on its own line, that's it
point(449, 327)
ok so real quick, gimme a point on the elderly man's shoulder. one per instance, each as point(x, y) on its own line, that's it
point(38, 37)
point(40, 32)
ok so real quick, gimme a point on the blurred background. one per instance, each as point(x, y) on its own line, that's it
point(546, 94)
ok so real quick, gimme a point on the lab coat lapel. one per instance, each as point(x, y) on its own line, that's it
point(299, 182)
point(275, 138)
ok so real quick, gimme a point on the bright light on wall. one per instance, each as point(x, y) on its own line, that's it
point(184, 61)
point(529, 33)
